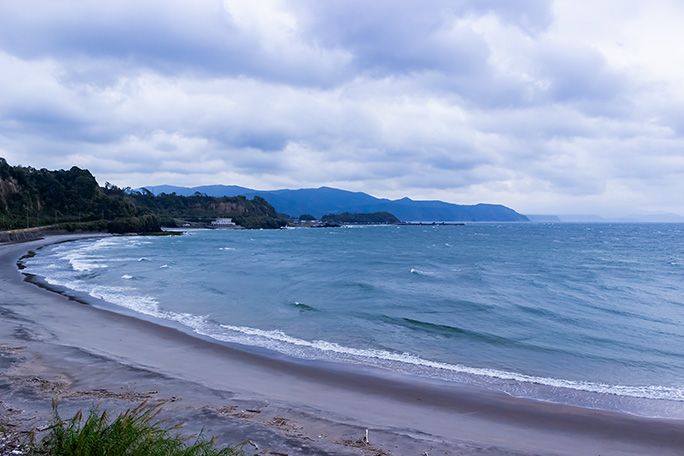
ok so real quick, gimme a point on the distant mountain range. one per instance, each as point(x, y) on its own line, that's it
point(326, 200)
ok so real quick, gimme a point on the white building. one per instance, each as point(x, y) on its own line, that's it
point(223, 222)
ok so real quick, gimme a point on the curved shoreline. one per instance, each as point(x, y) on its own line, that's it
point(606, 401)
point(401, 412)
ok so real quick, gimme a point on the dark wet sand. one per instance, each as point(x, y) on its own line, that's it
point(52, 346)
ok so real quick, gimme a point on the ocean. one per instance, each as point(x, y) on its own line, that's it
point(580, 314)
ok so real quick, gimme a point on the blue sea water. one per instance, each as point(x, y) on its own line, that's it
point(582, 314)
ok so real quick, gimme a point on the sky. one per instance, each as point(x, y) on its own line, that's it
point(545, 106)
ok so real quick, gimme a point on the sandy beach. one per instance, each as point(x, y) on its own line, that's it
point(53, 346)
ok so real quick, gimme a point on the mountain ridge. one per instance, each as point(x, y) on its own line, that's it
point(327, 200)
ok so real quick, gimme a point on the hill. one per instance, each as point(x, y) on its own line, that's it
point(73, 200)
point(326, 200)
point(345, 218)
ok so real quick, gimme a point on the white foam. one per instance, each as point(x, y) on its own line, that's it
point(276, 339)
point(126, 276)
point(84, 258)
point(71, 284)
point(83, 263)
point(137, 243)
point(420, 272)
point(125, 297)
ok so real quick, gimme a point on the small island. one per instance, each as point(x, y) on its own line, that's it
point(374, 218)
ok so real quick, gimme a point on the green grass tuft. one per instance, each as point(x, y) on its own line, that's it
point(137, 432)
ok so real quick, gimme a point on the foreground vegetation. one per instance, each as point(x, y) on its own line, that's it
point(73, 200)
point(137, 432)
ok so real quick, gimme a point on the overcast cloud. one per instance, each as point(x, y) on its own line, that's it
point(544, 106)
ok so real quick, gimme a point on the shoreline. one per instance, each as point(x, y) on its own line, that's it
point(338, 369)
point(79, 350)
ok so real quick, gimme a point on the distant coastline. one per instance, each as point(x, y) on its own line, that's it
point(326, 200)
point(72, 200)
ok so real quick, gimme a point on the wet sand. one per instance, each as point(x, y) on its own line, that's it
point(55, 347)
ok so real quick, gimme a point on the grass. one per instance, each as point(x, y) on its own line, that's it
point(137, 432)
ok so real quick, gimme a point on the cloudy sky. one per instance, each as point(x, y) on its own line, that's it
point(554, 106)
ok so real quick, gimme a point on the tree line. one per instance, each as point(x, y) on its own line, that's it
point(73, 200)
point(374, 218)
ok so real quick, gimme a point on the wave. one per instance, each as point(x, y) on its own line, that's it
point(279, 341)
point(81, 259)
point(446, 330)
point(348, 284)
point(432, 329)
point(371, 300)
point(121, 296)
point(81, 265)
point(137, 243)
point(405, 362)
point(304, 307)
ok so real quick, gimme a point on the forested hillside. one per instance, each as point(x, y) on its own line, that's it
point(73, 200)
point(255, 213)
point(376, 218)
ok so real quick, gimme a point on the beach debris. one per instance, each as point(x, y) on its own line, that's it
point(228, 410)
point(279, 421)
point(234, 411)
point(364, 444)
point(11, 443)
point(290, 428)
point(249, 442)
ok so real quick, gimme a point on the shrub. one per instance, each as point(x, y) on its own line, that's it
point(136, 432)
